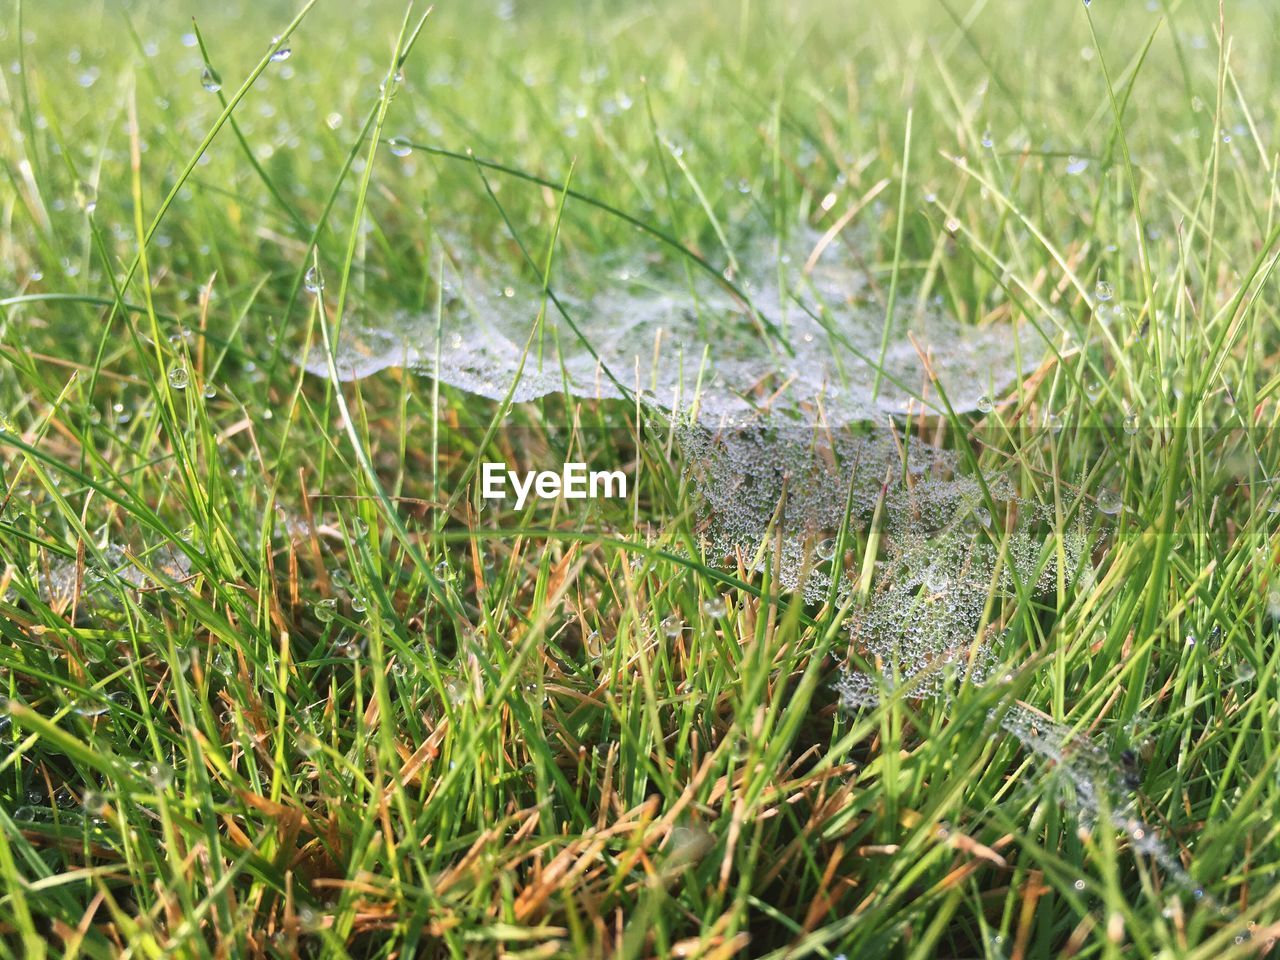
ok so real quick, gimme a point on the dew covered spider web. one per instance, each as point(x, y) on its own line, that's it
point(788, 396)
point(786, 388)
point(795, 335)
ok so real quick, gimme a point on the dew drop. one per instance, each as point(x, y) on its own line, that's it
point(714, 607)
point(179, 376)
point(210, 80)
point(1109, 502)
point(87, 197)
point(1104, 291)
point(284, 53)
point(1131, 424)
point(313, 282)
point(326, 610)
point(400, 147)
point(160, 776)
point(1076, 166)
point(455, 690)
point(672, 626)
point(985, 404)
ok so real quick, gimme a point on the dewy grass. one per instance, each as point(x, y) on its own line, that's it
point(936, 344)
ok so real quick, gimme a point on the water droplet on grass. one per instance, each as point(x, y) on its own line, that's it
point(455, 691)
point(1104, 291)
point(348, 648)
point(87, 197)
point(714, 607)
point(672, 626)
point(284, 53)
point(179, 377)
point(160, 776)
point(326, 610)
point(210, 80)
point(1131, 424)
point(1109, 502)
point(1076, 166)
point(313, 281)
point(985, 404)
point(400, 147)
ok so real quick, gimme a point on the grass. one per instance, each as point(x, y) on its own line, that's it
point(274, 685)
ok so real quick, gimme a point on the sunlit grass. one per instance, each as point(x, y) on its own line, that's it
point(274, 682)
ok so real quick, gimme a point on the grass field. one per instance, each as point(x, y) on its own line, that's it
point(275, 681)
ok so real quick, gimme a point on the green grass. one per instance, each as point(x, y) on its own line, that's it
point(489, 745)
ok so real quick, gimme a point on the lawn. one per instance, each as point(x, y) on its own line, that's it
point(935, 343)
